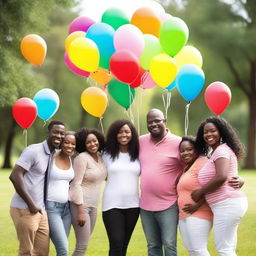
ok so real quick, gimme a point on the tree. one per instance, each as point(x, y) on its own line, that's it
point(229, 31)
point(17, 19)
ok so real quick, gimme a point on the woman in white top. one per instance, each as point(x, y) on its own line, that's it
point(90, 172)
point(120, 202)
point(57, 205)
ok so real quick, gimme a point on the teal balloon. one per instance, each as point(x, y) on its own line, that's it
point(122, 93)
point(47, 102)
point(173, 35)
point(103, 35)
point(115, 18)
point(190, 81)
point(171, 86)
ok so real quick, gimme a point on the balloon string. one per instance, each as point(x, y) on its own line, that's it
point(91, 82)
point(130, 101)
point(144, 77)
point(101, 125)
point(45, 123)
point(166, 102)
point(25, 133)
point(139, 107)
point(187, 118)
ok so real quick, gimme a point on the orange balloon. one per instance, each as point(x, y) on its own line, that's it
point(101, 76)
point(71, 37)
point(33, 48)
point(147, 21)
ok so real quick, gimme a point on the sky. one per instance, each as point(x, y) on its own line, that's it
point(95, 8)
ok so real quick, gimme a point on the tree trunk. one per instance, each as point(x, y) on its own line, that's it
point(8, 145)
point(250, 160)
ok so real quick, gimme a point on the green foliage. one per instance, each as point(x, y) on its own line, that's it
point(19, 18)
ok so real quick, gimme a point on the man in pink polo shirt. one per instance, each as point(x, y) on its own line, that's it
point(160, 170)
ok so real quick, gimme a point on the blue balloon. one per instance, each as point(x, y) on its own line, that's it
point(171, 86)
point(190, 81)
point(103, 35)
point(47, 101)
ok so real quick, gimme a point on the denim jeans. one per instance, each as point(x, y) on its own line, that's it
point(59, 219)
point(160, 228)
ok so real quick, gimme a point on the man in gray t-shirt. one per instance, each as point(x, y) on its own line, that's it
point(27, 205)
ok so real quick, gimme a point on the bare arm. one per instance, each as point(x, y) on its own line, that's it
point(221, 166)
point(17, 179)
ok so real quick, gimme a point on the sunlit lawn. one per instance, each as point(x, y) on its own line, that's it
point(98, 245)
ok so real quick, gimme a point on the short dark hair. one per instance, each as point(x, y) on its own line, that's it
point(190, 139)
point(81, 136)
point(227, 134)
point(54, 122)
point(112, 145)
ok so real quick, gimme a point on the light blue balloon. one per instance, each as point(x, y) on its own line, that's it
point(171, 86)
point(103, 35)
point(47, 101)
point(190, 81)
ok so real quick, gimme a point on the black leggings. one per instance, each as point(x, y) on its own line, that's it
point(120, 224)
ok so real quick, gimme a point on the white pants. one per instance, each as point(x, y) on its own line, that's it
point(195, 232)
point(227, 215)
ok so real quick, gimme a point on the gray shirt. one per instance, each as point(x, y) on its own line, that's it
point(34, 159)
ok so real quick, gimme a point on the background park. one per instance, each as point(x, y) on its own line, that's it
point(224, 32)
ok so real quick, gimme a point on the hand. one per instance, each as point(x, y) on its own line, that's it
point(34, 210)
point(197, 195)
point(236, 182)
point(81, 219)
point(190, 208)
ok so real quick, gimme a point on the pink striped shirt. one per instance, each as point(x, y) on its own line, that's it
point(209, 171)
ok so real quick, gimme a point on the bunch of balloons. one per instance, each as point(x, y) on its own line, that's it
point(146, 50)
point(44, 105)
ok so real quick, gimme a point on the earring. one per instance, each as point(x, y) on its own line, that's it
point(221, 141)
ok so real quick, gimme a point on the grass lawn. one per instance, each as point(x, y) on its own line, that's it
point(98, 245)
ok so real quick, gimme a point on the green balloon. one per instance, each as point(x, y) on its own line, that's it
point(122, 93)
point(151, 49)
point(173, 35)
point(115, 18)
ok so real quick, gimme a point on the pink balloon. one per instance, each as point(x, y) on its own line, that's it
point(74, 68)
point(129, 37)
point(217, 97)
point(147, 81)
point(80, 23)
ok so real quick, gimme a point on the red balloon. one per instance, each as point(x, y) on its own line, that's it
point(24, 112)
point(138, 81)
point(217, 97)
point(124, 65)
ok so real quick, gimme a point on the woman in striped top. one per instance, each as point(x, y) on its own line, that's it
point(216, 137)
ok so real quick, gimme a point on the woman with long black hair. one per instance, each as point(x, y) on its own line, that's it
point(120, 202)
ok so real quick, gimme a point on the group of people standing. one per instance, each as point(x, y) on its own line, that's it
point(190, 182)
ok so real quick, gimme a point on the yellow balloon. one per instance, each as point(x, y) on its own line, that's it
point(94, 101)
point(72, 37)
point(84, 53)
point(163, 69)
point(189, 55)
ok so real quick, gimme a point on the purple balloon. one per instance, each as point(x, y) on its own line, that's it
point(74, 68)
point(80, 23)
